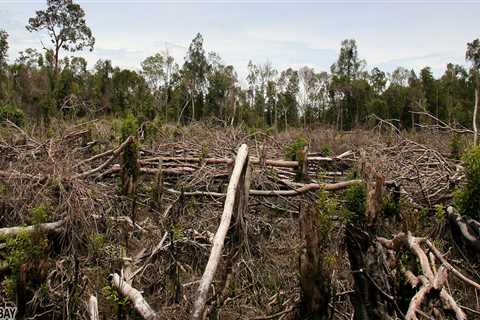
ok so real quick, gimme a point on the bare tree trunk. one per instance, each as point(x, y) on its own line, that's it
point(315, 277)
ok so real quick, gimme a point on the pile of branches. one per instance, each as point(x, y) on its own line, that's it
point(423, 174)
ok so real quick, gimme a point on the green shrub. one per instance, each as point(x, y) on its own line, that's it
point(13, 114)
point(326, 150)
point(467, 199)
point(455, 146)
point(390, 208)
point(126, 127)
point(326, 209)
point(292, 150)
point(356, 201)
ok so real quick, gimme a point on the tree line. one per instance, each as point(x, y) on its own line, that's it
point(42, 84)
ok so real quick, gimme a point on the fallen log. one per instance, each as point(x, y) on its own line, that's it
point(273, 193)
point(139, 303)
point(241, 162)
point(306, 188)
point(46, 227)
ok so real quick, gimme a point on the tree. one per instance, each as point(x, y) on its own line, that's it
point(307, 81)
point(348, 66)
point(287, 100)
point(220, 99)
point(3, 48)
point(157, 70)
point(399, 77)
point(65, 24)
point(195, 70)
point(473, 55)
point(378, 80)
point(3, 60)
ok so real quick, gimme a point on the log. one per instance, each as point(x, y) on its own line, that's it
point(93, 308)
point(46, 227)
point(306, 188)
point(272, 193)
point(139, 303)
point(218, 241)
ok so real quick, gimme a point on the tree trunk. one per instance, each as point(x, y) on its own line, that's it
point(315, 277)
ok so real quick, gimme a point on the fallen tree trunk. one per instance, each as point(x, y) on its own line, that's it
point(46, 227)
point(139, 303)
point(272, 193)
point(305, 188)
point(241, 162)
point(253, 160)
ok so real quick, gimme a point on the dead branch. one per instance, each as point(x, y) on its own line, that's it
point(45, 227)
point(138, 301)
point(113, 153)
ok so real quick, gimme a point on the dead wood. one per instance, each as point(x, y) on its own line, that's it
point(239, 169)
point(137, 299)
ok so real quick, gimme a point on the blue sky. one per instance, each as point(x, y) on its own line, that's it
point(288, 34)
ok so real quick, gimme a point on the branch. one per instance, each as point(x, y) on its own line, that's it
point(46, 227)
point(135, 296)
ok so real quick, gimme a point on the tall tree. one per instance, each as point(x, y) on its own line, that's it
point(65, 24)
point(378, 80)
point(3, 48)
point(157, 70)
point(3, 61)
point(348, 68)
point(307, 87)
point(195, 70)
point(473, 55)
point(348, 65)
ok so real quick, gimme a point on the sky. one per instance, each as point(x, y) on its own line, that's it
point(411, 34)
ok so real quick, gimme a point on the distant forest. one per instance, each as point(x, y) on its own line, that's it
point(41, 85)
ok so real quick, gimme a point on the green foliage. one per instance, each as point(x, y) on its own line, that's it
point(439, 212)
point(177, 232)
point(390, 208)
point(9, 112)
point(356, 201)
point(467, 199)
point(326, 150)
point(455, 146)
point(97, 242)
point(39, 215)
point(327, 209)
point(112, 295)
point(24, 247)
point(128, 126)
point(293, 150)
point(65, 24)
point(8, 286)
